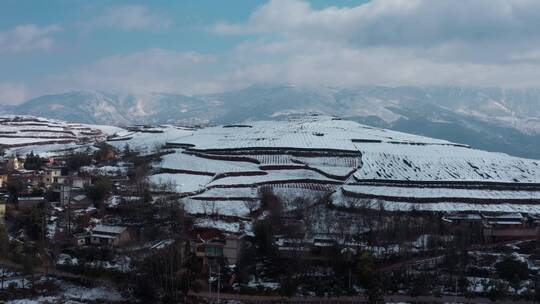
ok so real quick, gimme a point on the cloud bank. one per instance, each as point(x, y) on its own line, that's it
point(28, 37)
point(128, 17)
point(381, 42)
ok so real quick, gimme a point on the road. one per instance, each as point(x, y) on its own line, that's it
point(252, 299)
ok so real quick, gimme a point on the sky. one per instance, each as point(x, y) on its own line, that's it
point(205, 46)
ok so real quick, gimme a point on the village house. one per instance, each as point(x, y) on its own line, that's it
point(14, 163)
point(470, 224)
point(51, 175)
point(293, 248)
point(27, 202)
point(2, 210)
point(494, 227)
point(510, 227)
point(64, 194)
point(105, 235)
point(212, 245)
point(70, 187)
point(3, 178)
point(80, 182)
point(317, 247)
point(80, 201)
point(63, 179)
point(81, 239)
point(233, 247)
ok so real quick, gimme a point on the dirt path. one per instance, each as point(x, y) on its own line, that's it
point(255, 299)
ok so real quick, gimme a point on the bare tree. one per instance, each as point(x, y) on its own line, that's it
point(251, 205)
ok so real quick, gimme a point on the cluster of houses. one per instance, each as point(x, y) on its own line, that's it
point(52, 177)
point(496, 227)
point(66, 198)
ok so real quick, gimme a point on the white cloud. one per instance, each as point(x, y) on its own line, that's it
point(129, 17)
point(321, 64)
point(12, 93)
point(144, 71)
point(396, 22)
point(391, 42)
point(381, 42)
point(27, 38)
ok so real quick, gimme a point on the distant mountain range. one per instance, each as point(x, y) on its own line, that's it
point(495, 119)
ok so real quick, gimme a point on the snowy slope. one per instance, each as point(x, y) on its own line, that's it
point(314, 154)
point(439, 194)
point(22, 134)
point(314, 132)
point(147, 142)
point(442, 163)
point(186, 162)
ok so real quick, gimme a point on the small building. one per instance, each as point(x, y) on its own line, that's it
point(469, 223)
point(3, 178)
point(233, 247)
point(2, 210)
point(51, 175)
point(29, 202)
point(293, 248)
point(81, 239)
point(105, 235)
point(493, 227)
point(64, 194)
point(80, 182)
point(509, 227)
point(80, 201)
point(14, 163)
point(63, 180)
point(463, 219)
point(212, 245)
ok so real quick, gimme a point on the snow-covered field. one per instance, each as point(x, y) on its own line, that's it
point(384, 161)
point(272, 176)
point(71, 293)
point(322, 153)
point(179, 182)
point(22, 134)
point(226, 193)
point(47, 150)
point(340, 200)
point(147, 142)
point(216, 207)
point(436, 193)
point(227, 226)
point(316, 132)
point(182, 161)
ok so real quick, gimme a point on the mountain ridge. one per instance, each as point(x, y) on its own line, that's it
point(496, 119)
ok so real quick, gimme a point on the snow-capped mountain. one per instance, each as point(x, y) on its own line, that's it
point(104, 108)
point(506, 120)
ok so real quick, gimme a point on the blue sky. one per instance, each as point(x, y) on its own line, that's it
point(206, 46)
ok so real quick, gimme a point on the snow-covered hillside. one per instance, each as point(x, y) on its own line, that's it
point(22, 134)
point(353, 162)
point(302, 156)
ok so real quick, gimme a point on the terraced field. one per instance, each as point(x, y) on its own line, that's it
point(350, 162)
point(22, 134)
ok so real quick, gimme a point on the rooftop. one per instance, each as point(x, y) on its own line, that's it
point(108, 229)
